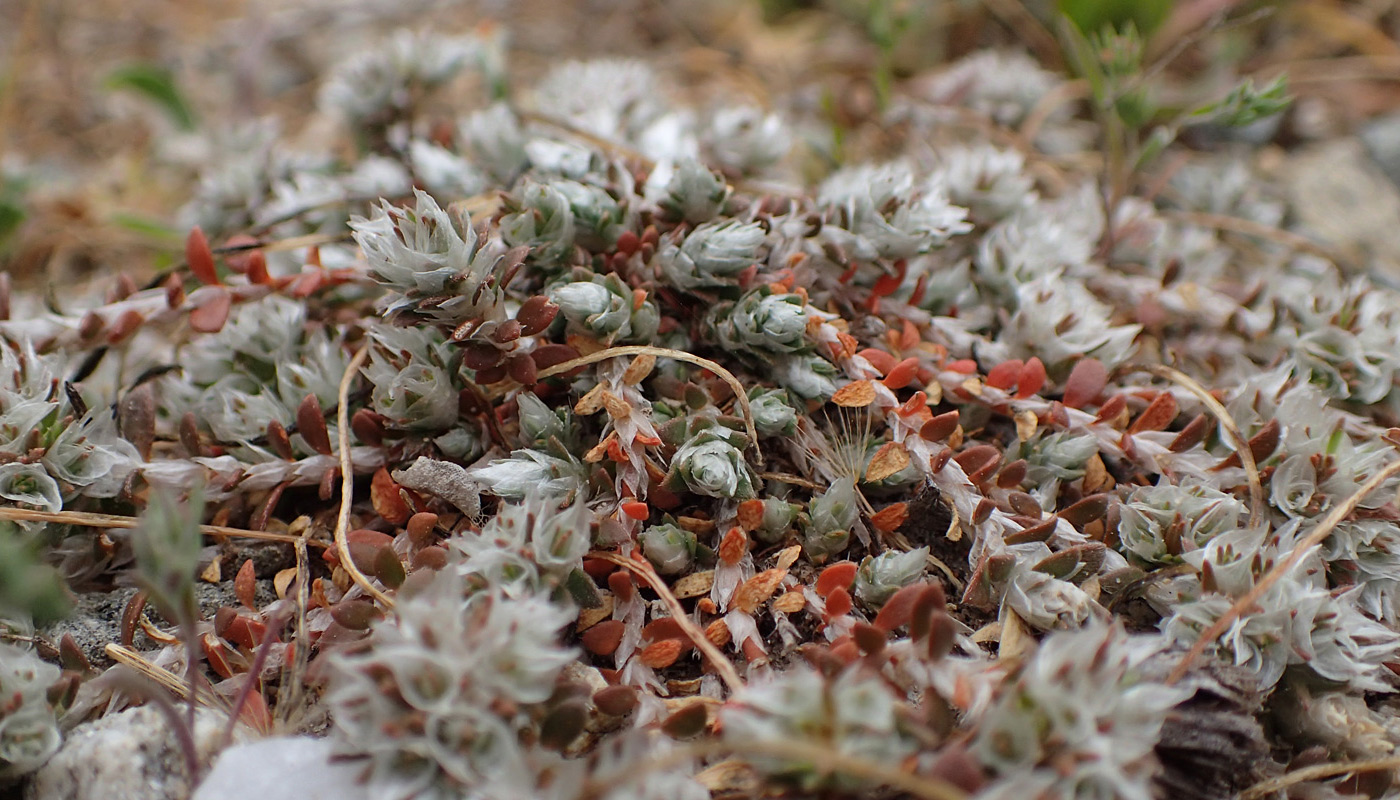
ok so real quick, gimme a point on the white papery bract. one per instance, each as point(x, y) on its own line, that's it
point(1078, 719)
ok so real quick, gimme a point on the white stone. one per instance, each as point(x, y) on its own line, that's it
point(130, 755)
point(284, 768)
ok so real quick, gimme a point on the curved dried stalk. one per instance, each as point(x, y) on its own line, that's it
point(1257, 505)
point(1317, 772)
point(347, 482)
point(825, 760)
point(643, 569)
point(740, 396)
point(1323, 529)
point(86, 520)
point(1249, 227)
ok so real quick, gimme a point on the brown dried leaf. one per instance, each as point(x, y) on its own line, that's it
point(887, 461)
point(591, 403)
point(1026, 424)
point(787, 556)
point(758, 589)
point(639, 369)
point(384, 495)
point(790, 602)
point(282, 582)
point(662, 654)
point(857, 394)
point(1157, 416)
point(245, 585)
point(694, 584)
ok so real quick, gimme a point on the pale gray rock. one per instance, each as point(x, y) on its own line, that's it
point(130, 755)
point(284, 768)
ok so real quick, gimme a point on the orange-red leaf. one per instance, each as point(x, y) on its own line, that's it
point(384, 495)
point(200, 258)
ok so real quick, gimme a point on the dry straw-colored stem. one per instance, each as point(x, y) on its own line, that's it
point(86, 520)
point(824, 759)
point(1257, 505)
point(1317, 772)
point(347, 483)
point(740, 396)
point(1244, 604)
point(642, 569)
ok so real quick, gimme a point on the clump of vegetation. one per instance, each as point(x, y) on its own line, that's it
point(613, 455)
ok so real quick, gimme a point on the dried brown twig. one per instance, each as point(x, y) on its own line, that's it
point(643, 569)
point(347, 483)
point(88, 520)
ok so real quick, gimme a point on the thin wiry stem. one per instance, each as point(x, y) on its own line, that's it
point(824, 760)
point(86, 520)
point(740, 396)
point(1317, 772)
point(643, 569)
point(1258, 508)
point(347, 483)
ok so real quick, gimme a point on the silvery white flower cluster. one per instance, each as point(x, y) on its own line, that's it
point(28, 728)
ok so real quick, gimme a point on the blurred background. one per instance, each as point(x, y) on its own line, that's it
point(109, 111)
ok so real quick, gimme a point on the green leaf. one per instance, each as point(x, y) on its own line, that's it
point(28, 586)
point(1092, 16)
point(1245, 104)
point(157, 84)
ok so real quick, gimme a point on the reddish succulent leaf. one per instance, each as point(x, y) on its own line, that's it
point(563, 724)
point(257, 269)
point(420, 528)
point(621, 585)
point(1157, 416)
point(1261, 446)
point(899, 609)
point(311, 424)
point(357, 615)
point(902, 374)
point(522, 369)
point(662, 654)
point(1191, 435)
point(1085, 511)
point(837, 576)
point(535, 315)
point(751, 514)
point(838, 603)
point(1024, 504)
point(245, 585)
point(430, 558)
point(690, 721)
point(200, 258)
point(856, 394)
point(979, 460)
point(245, 630)
point(616, 701)
point(889, 518)
point(368, 427)
point(868, 638)
point(137, 418)
point(878, 359)
point(216, 655)
point(550, 355)
point(278, 440)
point(387, 568)
point(1085, 383)
point(964, 365)
point(211, 314)
point(507, 332)
point(1040, 532)
point(603, 639)
point(1112, 409)
point(388, 503)
point(1004, 375)
point(480, 355)
point(71, 656)
point(1012, 475)
point(1032, 378)
point(940, 427)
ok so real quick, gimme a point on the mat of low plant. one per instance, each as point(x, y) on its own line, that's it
point(602, 452)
